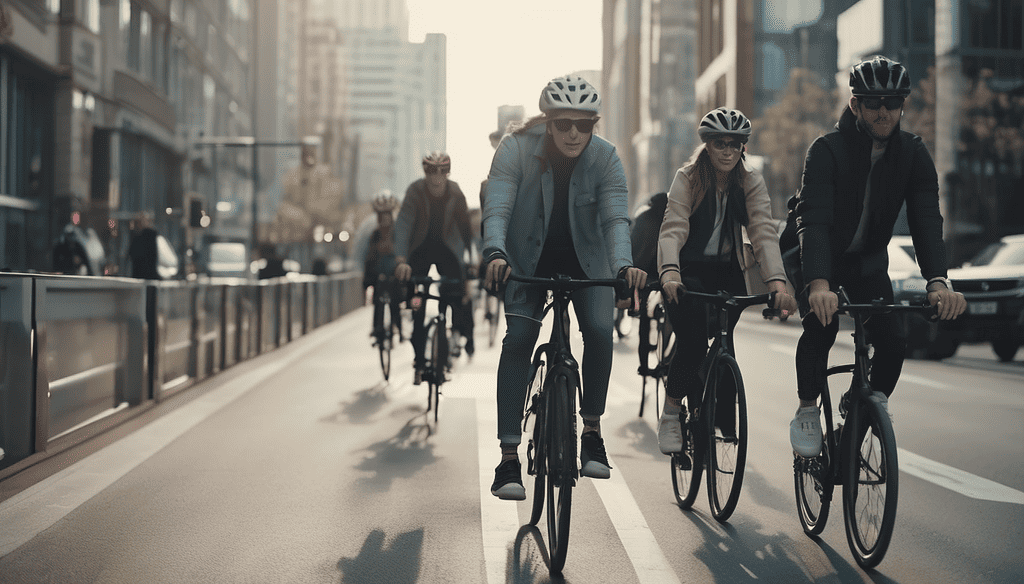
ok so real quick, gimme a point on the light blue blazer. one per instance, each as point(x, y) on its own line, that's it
point(520, 196)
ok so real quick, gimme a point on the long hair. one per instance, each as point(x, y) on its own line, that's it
point(704, 176)
point(523, 127)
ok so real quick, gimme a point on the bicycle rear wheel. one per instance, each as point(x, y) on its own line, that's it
point(726, 413)
point(688, 465)
point(561, 458)
point(385, 336)
point(870, 482)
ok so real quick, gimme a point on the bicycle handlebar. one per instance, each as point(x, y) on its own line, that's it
point(723, 298)
point(567, 284)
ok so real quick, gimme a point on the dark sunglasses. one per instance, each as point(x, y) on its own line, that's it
point(431, 169)
point(720, 144)
point(874, 103)
point(585, 126)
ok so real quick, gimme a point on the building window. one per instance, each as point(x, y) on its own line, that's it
point(995, 24)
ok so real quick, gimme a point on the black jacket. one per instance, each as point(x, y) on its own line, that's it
point(831, 199)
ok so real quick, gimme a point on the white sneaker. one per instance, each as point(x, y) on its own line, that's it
point(670, 434)
point(805, 431)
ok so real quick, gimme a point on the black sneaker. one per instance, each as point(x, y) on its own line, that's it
point(508, 482)
point(593, 459)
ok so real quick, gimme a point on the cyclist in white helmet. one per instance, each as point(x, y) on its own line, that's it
point(556, 202)
point(714, 198)
point(379, 264)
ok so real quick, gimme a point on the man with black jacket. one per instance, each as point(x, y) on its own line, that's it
point(855, 181)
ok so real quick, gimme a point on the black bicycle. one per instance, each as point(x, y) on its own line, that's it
point(437, 350)
point(715, 431)
point(384, 325)
point(554, 383)
point(860, 454)
point(653, 321)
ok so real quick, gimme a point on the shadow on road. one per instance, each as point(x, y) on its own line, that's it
point(528, 559)
point(398, 563)
point(360, 410)
point(398, 457)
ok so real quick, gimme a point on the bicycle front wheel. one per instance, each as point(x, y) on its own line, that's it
point(688, 465)
point(726, 413)
point(385, 337)
point(538, 462)
point(870, 481)
point(561, 458)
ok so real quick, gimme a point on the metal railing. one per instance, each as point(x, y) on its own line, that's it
point(79, 355)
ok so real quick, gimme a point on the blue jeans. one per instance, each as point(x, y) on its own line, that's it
point(595, 314)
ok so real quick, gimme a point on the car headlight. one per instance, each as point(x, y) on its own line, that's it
point(909, 285)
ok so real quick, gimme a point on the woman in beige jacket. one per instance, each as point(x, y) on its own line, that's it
point(715, 197)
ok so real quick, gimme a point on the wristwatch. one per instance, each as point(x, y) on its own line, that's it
point(944, 281)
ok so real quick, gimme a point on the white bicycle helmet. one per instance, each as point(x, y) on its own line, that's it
point(724, 121)
point(437, 158)
point(384, 202)
point(570, 92)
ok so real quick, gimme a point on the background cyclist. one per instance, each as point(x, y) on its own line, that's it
point(713, 198)
point(380, 260)
point(433, 229)
point(556, 203)
point(855, 181)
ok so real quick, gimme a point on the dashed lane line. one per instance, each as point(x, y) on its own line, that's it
point(956, 480)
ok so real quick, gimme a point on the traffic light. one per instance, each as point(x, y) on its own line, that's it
point(197, 217)
point(308, 155)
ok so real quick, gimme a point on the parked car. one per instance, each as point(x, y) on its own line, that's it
point(908, 287)
point(226, 259)
point(993, 284)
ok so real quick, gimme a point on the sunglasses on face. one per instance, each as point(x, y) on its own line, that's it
point(431, 169)
point(874, 103)
point(720, 144)
point(585, 126)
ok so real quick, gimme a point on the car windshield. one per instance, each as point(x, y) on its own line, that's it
point(1000, 254)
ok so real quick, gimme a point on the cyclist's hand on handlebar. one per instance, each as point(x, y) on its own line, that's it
point(497, 273)
point(949, 303)
point(635, 279)
point(403, 271)
point(784, 302)
point(672, 290)
point(824, 302)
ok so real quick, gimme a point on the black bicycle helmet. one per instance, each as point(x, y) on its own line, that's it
point(879, 77)
point(724, 122)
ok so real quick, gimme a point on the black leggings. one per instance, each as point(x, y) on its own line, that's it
point(448, 266)
point(814, 345)
point(690, 325)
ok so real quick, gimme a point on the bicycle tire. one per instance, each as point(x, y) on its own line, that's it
point(814, 478)
point(870, 482)
point(727, 447)
point(385, 336)
point(539, 440)
point(561, 456)
point(686, 481)
point(439, 362)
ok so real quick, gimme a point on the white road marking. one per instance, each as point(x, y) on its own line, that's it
point(957, 480)
point(499, 519)
point(643, 550)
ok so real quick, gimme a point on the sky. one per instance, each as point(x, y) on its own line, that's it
point(502, 56)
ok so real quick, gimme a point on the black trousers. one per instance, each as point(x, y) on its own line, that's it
point(448, 266)
point(816, 341)
point(690, 325)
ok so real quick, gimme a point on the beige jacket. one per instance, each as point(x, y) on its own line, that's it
point(762, 229)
